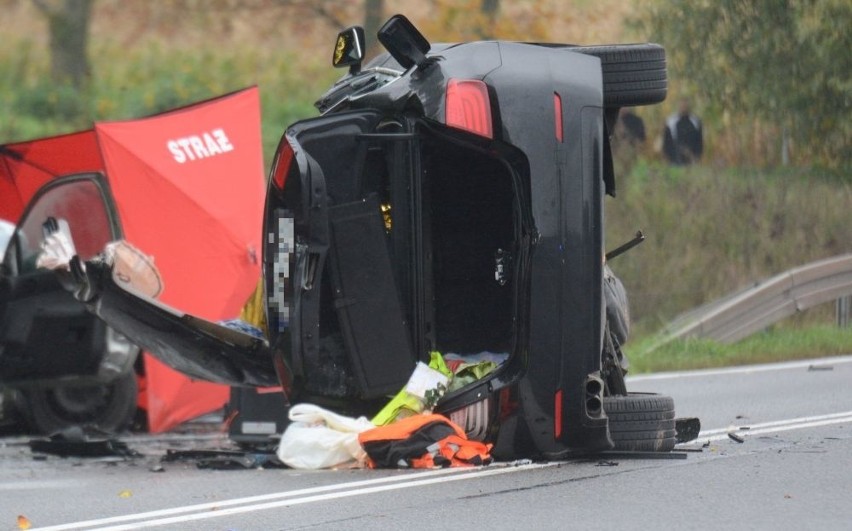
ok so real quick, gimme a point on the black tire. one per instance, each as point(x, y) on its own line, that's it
point(109, 408)
point(633, 74)
point(641, 422)
point(617, 306)
point(612, 367)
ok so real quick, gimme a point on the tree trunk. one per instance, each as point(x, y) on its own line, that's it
point(373, 19)
point(489, 8)
point(68, 24)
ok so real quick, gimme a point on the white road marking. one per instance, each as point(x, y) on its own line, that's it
point(29, 484)
point(296, 497)
point(751, 430)
point(745, 369)
point(753, 427)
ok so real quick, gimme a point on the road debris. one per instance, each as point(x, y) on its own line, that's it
point(225, 459)
point(75, 442)
point(687, 429)
point(734, 437)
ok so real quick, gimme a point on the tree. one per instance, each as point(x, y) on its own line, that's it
point(784, 62)
point(374, 17)
point(489, 8)
point(68, 24)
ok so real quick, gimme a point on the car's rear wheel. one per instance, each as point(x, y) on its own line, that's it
point(641, 422)
point(108, 407)
point(633, 74)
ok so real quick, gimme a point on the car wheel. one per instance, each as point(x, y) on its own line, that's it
point(612, 368)
point(633, 74)
point(617, 307)
point(641, 422)
point(108, 407)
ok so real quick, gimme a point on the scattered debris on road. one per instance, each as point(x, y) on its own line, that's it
point(734, 437)
point(77, 442)
point(225, 459)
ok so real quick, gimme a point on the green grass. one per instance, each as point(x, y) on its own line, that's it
point(778, 344)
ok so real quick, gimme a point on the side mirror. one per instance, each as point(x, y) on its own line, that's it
point(404, 42)
point(349, 49)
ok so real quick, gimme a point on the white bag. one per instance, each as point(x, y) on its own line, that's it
point(317, 438)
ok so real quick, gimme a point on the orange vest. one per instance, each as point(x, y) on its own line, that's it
point(422, 441)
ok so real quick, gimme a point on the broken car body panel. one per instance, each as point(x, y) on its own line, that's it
point(198, 348)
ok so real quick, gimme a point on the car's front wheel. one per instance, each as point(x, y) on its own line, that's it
point(107, 407)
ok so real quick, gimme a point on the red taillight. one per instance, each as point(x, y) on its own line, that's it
point(282, 165)
point(557, 414)
point(557, 115)
point(468, 106)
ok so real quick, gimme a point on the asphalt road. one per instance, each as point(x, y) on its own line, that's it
point(792, 470)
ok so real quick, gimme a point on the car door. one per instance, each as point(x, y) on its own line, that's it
point(348, 322)
point(46, 334)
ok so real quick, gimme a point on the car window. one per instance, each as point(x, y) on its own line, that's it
point(6, 230)
point(82, 205)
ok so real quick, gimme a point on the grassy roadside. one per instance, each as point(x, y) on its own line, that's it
point(713, 230)
point(773, 345)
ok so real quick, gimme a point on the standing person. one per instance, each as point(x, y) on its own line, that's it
point(683, 142)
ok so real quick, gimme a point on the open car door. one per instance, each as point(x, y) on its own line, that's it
point(338, 313)
point(46, 335)
point(196, 347)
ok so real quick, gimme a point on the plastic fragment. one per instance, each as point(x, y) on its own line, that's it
point(734, 437)
point(76, 441)
point(125, 494)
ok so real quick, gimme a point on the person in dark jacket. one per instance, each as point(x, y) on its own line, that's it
point(683, 141)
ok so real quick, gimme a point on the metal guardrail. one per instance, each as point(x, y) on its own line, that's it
point(743, 313)
point(844, 305)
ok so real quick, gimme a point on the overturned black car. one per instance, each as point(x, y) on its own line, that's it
point(448, 198)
